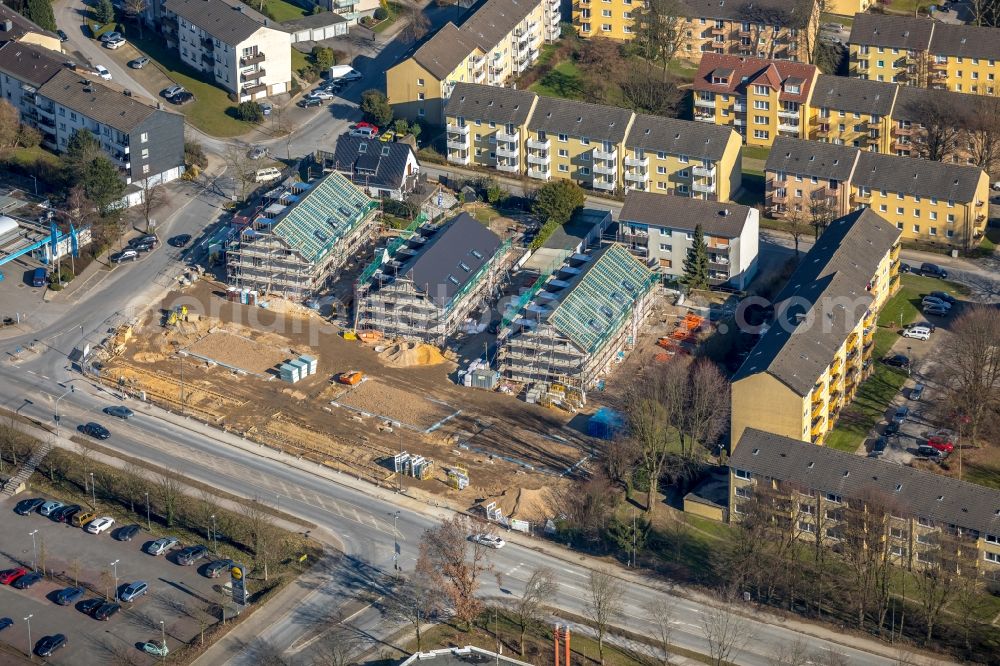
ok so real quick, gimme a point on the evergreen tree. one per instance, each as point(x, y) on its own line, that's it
point(104, 12)
point(40, 11)
point(103, 184)
point(82, 149)
point(696, 264)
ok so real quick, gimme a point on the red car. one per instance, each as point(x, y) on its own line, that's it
point(941, 443)
point(8, 576)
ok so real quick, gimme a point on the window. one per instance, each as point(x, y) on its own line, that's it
point(899, 210)
point(925, 522)
point(606, 13)
point(760, 90)
point(563, 138)
point(683, 174)
point(744, 492)
point(145, 153)
point(606, 27)
point(933, 215)
point(144, 137)
point(807, 527)
point(420, 82)
point(664, 247)
point(563, 152)
point(932, 231)
point(916, 228)
point(661, 170)
point(899, 551)
point(993, 538)
point(682, 189)
point(951, 218)
point(897, 532)
point(807, 509)
point(421, 111)
point(145, 168)
point(584, 171)
point(683, 159)
point(660, 185)
point(761, 104)
point(563, 168)
point(832, 497)
point(882, 208)
point(760, 120)
point(420, 96)
point(761, 134)
point(992, 557)
point(916, 212)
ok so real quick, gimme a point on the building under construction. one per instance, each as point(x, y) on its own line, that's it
point(298, 243)
point(574, 323)
point(429, 280)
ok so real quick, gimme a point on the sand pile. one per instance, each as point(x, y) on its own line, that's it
point(410, 354)
point(531, 504)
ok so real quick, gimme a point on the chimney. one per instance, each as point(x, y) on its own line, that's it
point(8, 25)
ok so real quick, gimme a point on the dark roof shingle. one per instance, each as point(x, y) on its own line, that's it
point(899, 32)
point(911, 491)
point(812, 158)
point(787, 13)
point(107, 104)
point(494, 19)
point(717, 219)
point(229, 21)
point(20, 25)
point(915, 176)
point(443, 51)
point(855, 95)
point(452, 257)
point(966, 41)
point(28, 63)
point(372, 163)
point(581, 119)
point(679, 137)
point(490, 103)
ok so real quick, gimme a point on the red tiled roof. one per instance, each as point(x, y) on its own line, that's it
point(754, 71)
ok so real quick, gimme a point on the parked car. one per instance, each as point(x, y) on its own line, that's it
point(180, 240)
point(940, 443)
point(905, 268)
point(133, 591)
point(924, 323)
point(266, 108)
point(171, 91)
point(917, 391)
point(64, 514)
point(27, 580)
point(917, 333)
point(365, 132)
point(935, 310)
point(155, 649)
point(128, 254)
point(139, 62)
point(127, 533)
point(69, 596)
point(90, 605)
point(50, 506)
point(901, 414)
point(119, 411)
point(488, 540)
point(38, 277)
point(81, 518)
point(308, 102)
point(108, 36)
point(50, 644)
point(878, 447)
point(145, 239)
point(191, 555)
point(925, 451)
point(321, 93)
point(115, 43)
point(102, 524)
point(182, 97)
point(897, 361)
point(8, 576)
point(257, 152)
point(63, 37)
point(160, 546)
point(944, 296)
point(6, 622)
point(215, 569)
point(105, 611)
point(891, 429)
point(96, 430)
point(102, 72)
point(933, 270)
point(24, 507)
point(930, 300)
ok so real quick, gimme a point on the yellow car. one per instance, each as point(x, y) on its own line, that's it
point(82, 518)
point(388, 136)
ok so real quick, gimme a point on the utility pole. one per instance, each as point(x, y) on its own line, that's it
point(215, 537)
point(148, 526)
point(30, 652)
point(395, 543)
point(72, 389)
point(115, 565)
point(34, 551)
point(93, 490)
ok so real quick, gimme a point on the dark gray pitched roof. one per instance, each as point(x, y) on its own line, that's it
point(915, 176)
point(912, 491)
point(824, 300)
point(229, 21)
point(28, 63)
point(490, 103)
point(967, 41)
point(716, 218)
point(20, 25)
point(900, 32)
point(581, 119)
point(679, 137)
point(844, 93)
point(370, 162)
point(790, 13)
point(105, 103)
point(443, 51)
point(451, 258)
point(494, 19)
point(812, 158)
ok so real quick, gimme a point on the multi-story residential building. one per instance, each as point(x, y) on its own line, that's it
point(602, 147)
point(853, 112)
point(236, 47)
point(575, 326)
point(16, 28)
point(352, 10)
point(928, 201)
point(926, 53)
point(847, 7)
point(315, 230)
point(660, 230)
point(781, 29)
point(915, 518)
point(812, 357)
point(380, 168)
point(498, 42)
point(760, 99)
point(425, 287)
point(24, 68)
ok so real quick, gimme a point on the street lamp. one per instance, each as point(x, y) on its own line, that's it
point(395, 542)
point(115, 565)
point(71, 389)
point(148, 527)
point(163, 639)
point(30, 653)
point(93, 490)
point(34, 551)
point(215, 537)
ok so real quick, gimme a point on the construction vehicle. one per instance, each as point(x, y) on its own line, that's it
point(352, 378)
point(175, 315)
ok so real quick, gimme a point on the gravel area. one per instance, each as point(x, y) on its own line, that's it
point(239, 352)
point(379, 399)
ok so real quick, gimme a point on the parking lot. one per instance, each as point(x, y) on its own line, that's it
point(180, 597)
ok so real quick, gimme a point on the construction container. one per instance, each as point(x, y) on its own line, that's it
point(289, 373)
point(484, 378)
point(301, 366)
point(311, 361)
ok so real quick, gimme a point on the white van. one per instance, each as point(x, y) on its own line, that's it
point(917, 333)
point(343, 73)
point(268, 174)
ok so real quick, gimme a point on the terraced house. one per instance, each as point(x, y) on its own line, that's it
point(783, 29)
point(913, 517)
point(238, 48)
point(499, 41)
point(760, 99)
point(601, 147)
point(927, 201)
point(853, 112)
point(812, 357)
point(925, 53)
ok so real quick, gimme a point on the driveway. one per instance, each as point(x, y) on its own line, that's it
point(69, 16)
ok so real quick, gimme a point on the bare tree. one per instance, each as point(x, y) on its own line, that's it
point(168, 492)
point(74, 570)
point(793, 654)
point(941, 122)
point(337, 647)
point(726, 631)
point(242, 169)
point(862, 526)
point(707, 410)
point(970, 368)
point(659, 31)
point(134, 9)
point(620, 458)
point(414, 601)
point(982, 133)
point(454, 564)
point(796, 224)
point(821, 212)
point(132, 484)
point(152, 196)
point(648, 91)
point(661, 614)
point(526, 609)
point(261, 532)
point(417, 25)
point(604, 604)
point(10, 123)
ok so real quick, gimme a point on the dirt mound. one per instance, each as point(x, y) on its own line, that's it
point(148, 357)
point(411, 354)
point(531, 504)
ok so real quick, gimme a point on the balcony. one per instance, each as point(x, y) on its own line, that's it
point(539, 174)
point(872, 140)
point(740, 106)
point(253, 90)
point(458, 144)
point(788, 113)
point(606, 185)
point(509, 167)
point(701, 171)
point(902, 131)
point(706, 103)
point(861, 197)
point(637, 176)
point(938, 66)
point(507, 151)
point(606, 169)
point(704, 117)
point(252, 76)
point(699, 186)
point(785, 127)
point(458, 157)
point(778, 197)
point(510, 137)
point(631, 161)
point(207, 57)
point(535, 144)
point(479, 75)
point(903, 145)
point(818, 424)
point(458, 129)
point(247, 61)
point(535, 158)
point(601, 154)
point(716, 30)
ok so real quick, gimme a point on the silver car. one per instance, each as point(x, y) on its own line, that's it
point(50, 506)
point(160, 546)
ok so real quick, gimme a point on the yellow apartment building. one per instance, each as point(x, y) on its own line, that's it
point(760, 99)
point(800, 174)
point(847, 7)
point(605, 148)
point(852, 112)
point(813, 356)
point(925, 53)
point(929, 519)
point(495, 44)
point(781, 29)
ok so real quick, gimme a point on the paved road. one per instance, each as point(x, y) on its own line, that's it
point(69, 16)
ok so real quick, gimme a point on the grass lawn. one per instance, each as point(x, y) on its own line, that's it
point(846, 21)
point(903, 308)
point(280, 10)
point(208, 110)
point(563, 81)
point(394, 11)
point(906, 7)
point(682, 69)
point(985, 473)
point(27, 156)
point(300, 62)
point(756, 153)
